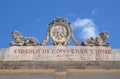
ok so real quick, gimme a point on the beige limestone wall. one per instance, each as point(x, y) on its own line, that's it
point(58, 53)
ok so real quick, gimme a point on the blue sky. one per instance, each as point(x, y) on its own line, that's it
point(31, 18)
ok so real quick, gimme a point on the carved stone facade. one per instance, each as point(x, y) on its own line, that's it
point(59, 60)
point(26, 56)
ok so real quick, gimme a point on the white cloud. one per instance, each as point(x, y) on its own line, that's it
point(87, 26)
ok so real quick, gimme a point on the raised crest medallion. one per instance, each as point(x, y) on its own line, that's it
point(60, 32)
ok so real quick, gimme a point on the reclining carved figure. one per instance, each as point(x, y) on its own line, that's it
point(20, 40)
point(97, 41)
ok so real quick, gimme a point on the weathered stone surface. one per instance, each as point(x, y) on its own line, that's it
point(60, 65)
point(3, 52)
point(59, 53)
point(11, 58)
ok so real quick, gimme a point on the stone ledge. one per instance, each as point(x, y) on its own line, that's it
point(59, 65)
point(69, 72)
point(27, 72)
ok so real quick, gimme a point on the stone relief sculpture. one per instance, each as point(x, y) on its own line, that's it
point(20, 40)
point(97, 41)
point(60, 32)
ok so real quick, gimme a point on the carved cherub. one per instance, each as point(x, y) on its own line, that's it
point(20, 40)
point(97, 41)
